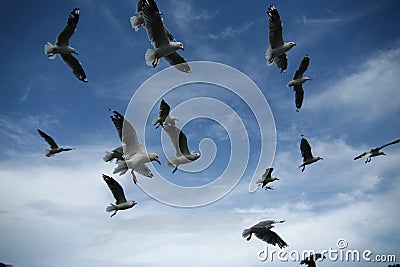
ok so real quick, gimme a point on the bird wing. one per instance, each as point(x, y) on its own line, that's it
point(388, 144)
point(178, 62)
point(75, 66)
point(153, 23)
point(275, 28)
point(302, 68)
point(298, 95)
point(49, 140)
point(271, 238)
point(178, 139)
point(281, 61)
point(267, 173)
point(305, 149)
point(164, 110)
point(360, 156)
point(116, 189)
point(144, 170)
point(64, 36)
point(127, 133)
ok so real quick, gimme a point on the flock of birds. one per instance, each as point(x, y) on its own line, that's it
point(132, 154)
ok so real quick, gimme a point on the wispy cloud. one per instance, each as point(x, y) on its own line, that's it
point(231, 32)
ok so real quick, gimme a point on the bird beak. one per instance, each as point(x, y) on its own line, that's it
point(158, 161)
point(183, 49)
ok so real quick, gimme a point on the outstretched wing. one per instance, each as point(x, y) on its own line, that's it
point(298, 95)
point(305, 149)
point(271, 238)
point(48, 139)
point(64, 36)
point(275, 28)
point(267, 173)
point(75, 66)
point(302, 68)
point(178, 62)
point(116, 189)
point(144, 170)
point(388, 144)
point(164, 110)
point(127, 133)
point(178, 139)
point(153, 24)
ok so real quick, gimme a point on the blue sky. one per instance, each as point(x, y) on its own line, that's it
point(52, 210)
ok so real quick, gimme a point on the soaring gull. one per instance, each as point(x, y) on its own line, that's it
point(267, 178)
point(161, 39)
point(375, 152)
point(278, 48)
point(308, 157)
point(179, 140)
point(134, 153)
point(298, 81)
point(310, 260)
point(118, 192)
point(64, 50)
point(262, 230)
point(54, 148)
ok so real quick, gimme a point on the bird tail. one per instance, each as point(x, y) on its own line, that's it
point(47, 152)
point(49, 50)
point(269, 56)
point(121, 168)
point(150, 56)
point(111, 208)
point(246, 233)
point(108, 157)
point(136, 22)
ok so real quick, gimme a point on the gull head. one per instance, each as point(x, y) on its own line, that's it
point(291, 44)
point(180, 46)
point(154, 157)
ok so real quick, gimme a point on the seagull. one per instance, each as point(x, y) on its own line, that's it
point(305, 149)
point(135, 154)
point(278, 48)
point(64, 49)
point(161, 39)
point(375, 152)
point(262, 230)
point(310, 260)
point(118, 193)
point(162, 114)
point(267, 178)
point(179, 140)
point(54, 148)
point(298, 80)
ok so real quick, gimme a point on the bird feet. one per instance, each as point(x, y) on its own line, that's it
point(176, 168)
point(115, 212)
point(134, 177)
point(155, 62)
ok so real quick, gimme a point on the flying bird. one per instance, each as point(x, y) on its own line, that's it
point(162, 114)
point(305, 149)
point(64, 50)
point(161, 39)
point(54, 148)
point(298, 81)
point(262, 230)
point(267, 178)
point(375, 152)
point(278, 48)
point(134, 152)
point(118, 192)
point(179, 140)
point(310, 260)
